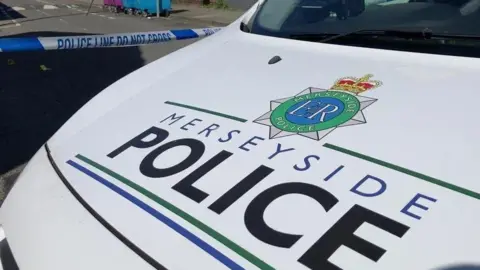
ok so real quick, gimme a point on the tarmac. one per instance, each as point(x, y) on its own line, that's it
point(241, 5)
point(41, 90)
point(194, 10)
point(206, 14)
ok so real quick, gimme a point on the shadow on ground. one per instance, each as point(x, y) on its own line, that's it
point(7, 13)
point(236, 4)
point(39, 91)
point(176, 11)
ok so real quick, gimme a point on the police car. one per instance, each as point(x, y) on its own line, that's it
point(305, 135)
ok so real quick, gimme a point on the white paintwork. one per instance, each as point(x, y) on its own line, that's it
point(415, 123)
point(47, 228)
point(2, 234)
point(50, 7)
point(18, 8)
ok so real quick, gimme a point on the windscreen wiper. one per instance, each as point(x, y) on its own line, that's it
point(424, 34)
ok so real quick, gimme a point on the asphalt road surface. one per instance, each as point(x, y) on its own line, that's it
point(39, 91)
point(241, 4)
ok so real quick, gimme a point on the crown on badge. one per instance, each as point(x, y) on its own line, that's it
point(356, 85)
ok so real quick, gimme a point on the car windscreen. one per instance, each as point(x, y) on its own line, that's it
point(319, 19)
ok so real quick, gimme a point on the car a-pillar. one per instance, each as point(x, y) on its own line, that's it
point(315, 257)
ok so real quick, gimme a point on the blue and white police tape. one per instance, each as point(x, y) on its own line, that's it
point(101, 41)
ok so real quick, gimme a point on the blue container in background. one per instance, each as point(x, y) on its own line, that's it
point(128, 4)
point(147, 7)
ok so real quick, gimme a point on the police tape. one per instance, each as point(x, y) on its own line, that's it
point(101, 41)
